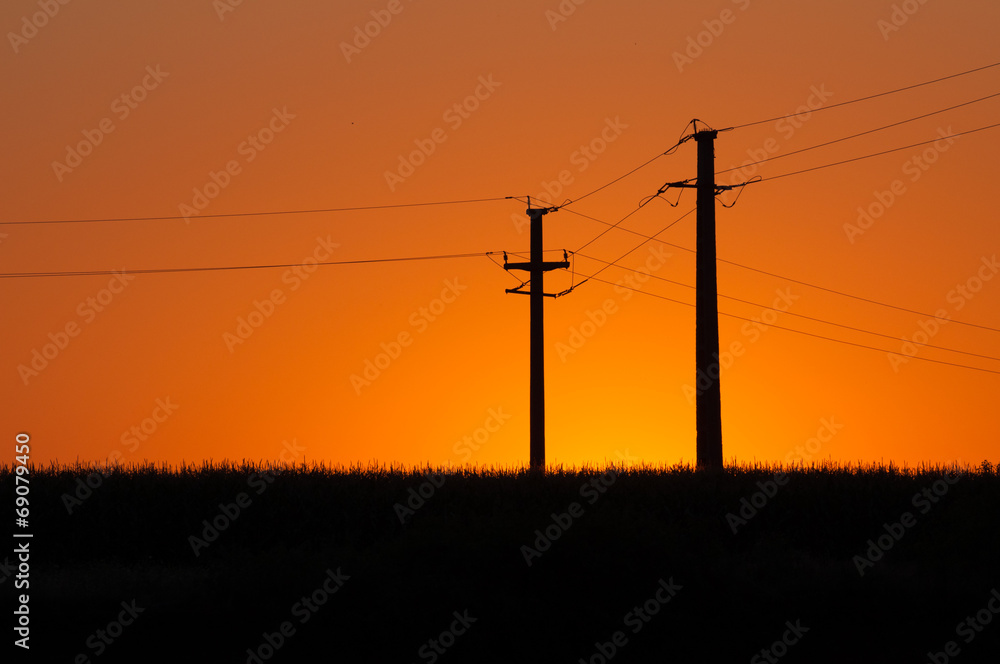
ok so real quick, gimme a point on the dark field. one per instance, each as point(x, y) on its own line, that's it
point(635, 566)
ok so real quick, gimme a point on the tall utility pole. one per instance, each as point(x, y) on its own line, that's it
point(706, 352)
point(536, 268)
point(709, 400)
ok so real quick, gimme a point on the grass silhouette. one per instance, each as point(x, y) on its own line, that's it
point(458, 544)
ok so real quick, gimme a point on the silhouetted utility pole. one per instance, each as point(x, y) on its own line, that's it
point(537, 267)
point(707, 365)
point(709, 400)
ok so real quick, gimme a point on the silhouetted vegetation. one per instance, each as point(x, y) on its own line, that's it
point(418, 547)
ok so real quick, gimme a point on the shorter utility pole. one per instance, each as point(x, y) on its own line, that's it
point(536, 268)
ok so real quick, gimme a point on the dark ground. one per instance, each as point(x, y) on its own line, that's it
point(401, 584)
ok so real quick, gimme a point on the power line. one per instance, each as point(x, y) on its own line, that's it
point(618, 179)
point(630, 251)
point(507, 272)
point(649, 238)
point(334, 210)
point(611, 227)
point(256, 214)
point(870, 131)
point(881, 94)
point(803, 316)
point(877, 154)
point(786, 278)
point(638, 246)
point(608, 229)
point(855, 297)
point(609, 264)
point(92, 273)
point(680, 141)
point(808, 334)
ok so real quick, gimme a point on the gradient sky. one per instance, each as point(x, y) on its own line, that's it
point(306, 112)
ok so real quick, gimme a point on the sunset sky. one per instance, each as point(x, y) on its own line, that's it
point(153, 111)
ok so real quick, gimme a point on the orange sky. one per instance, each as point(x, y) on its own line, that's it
point(282, 106)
